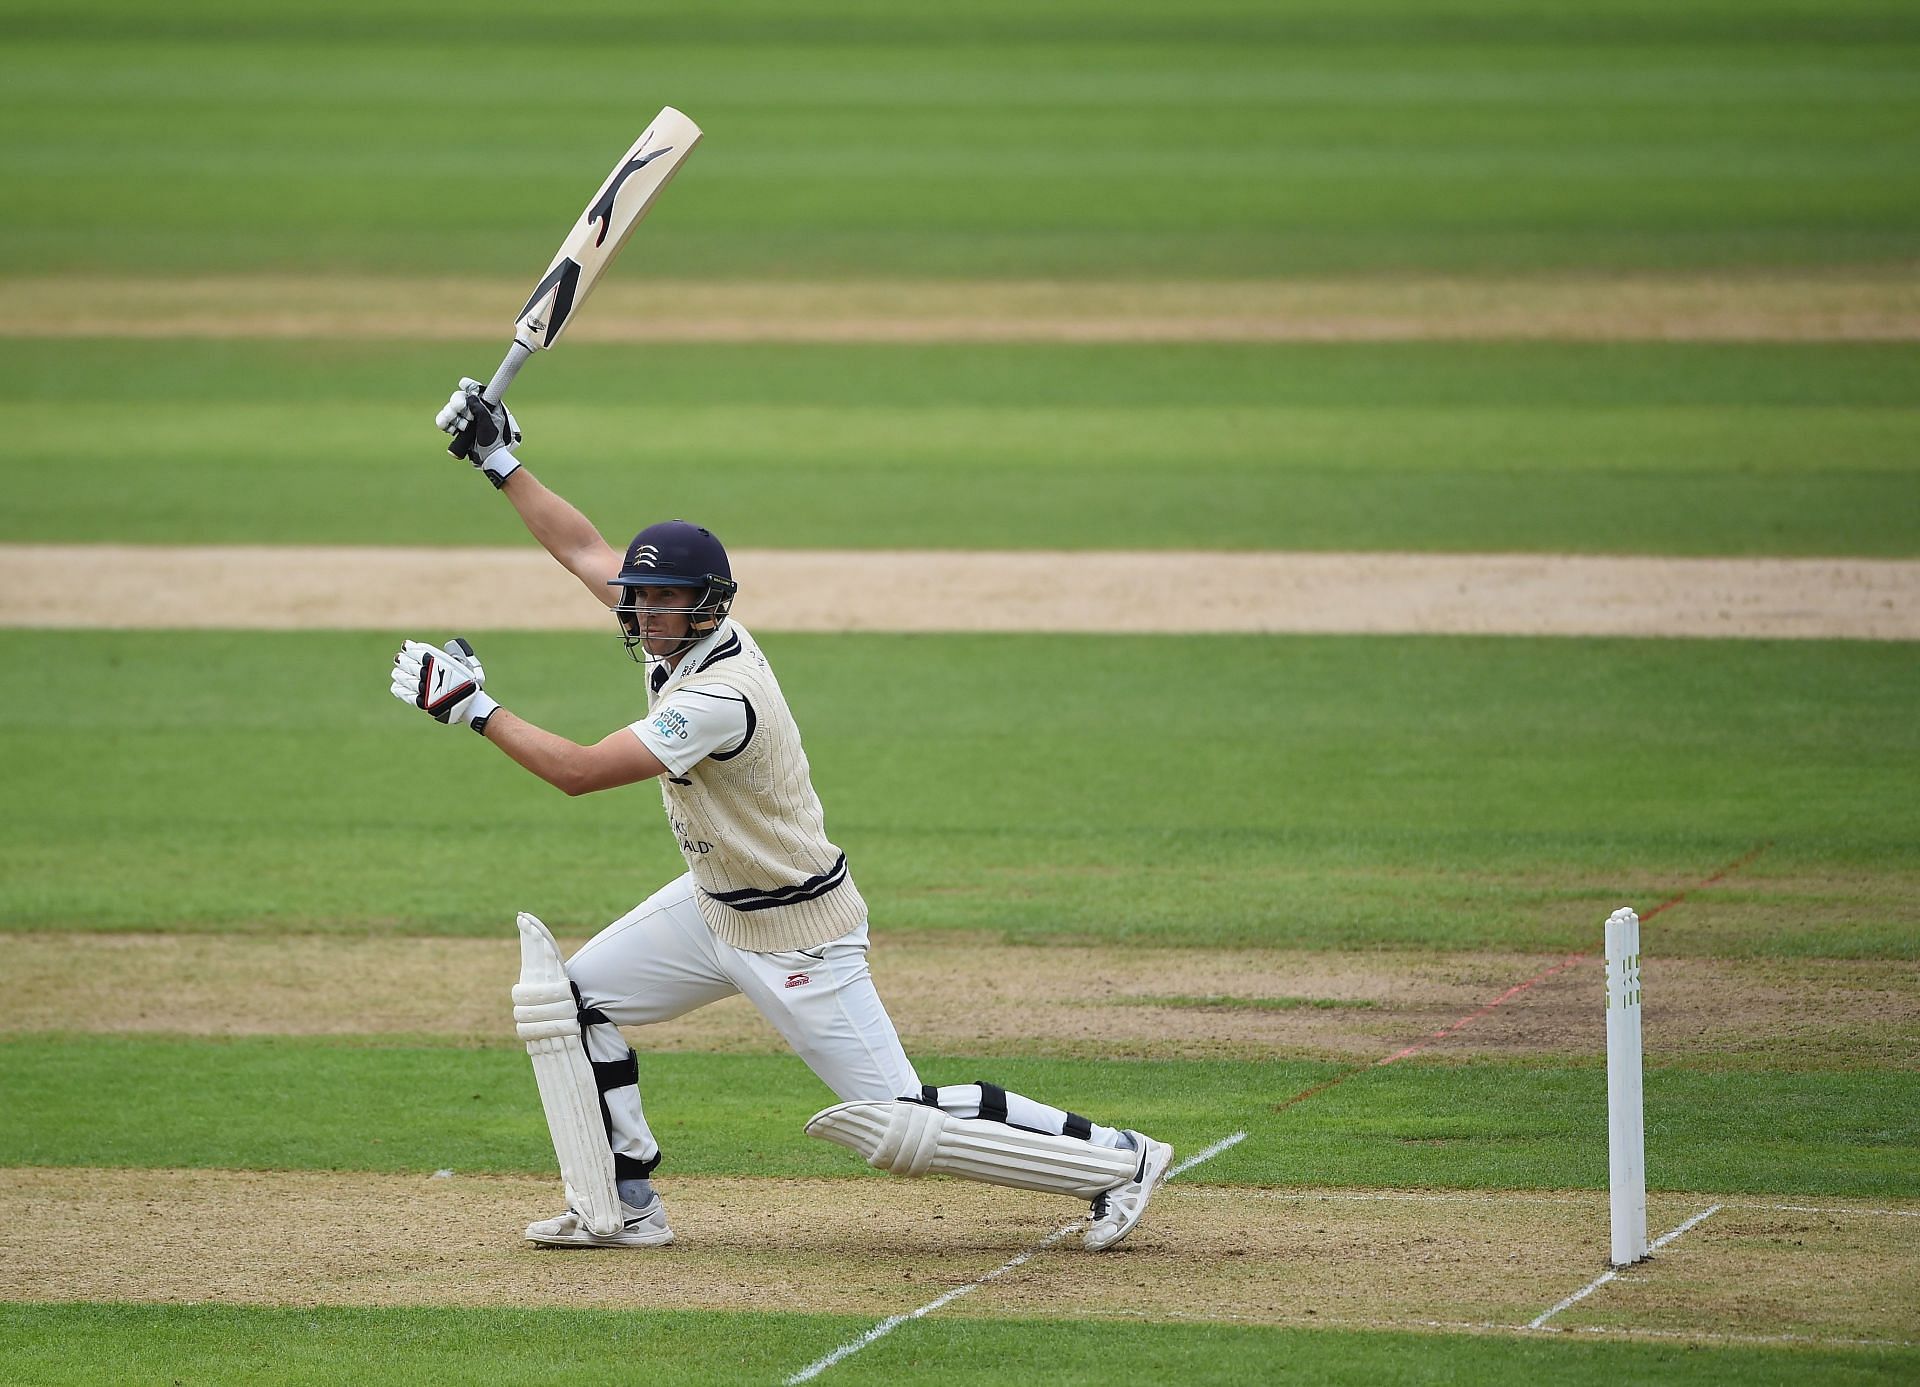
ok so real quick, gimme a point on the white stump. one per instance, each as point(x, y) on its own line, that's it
point(1626, 1116)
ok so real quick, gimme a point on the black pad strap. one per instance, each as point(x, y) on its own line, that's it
point(629, 1168)
point(589, 1016)
point(993, 1102)
point(621, 1073)
point(1077, 1126)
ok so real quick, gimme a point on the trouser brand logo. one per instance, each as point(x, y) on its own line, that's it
point(798, 980)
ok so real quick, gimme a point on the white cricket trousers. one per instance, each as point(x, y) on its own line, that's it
point(660, 960)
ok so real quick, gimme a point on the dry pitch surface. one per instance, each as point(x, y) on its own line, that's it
point(1872, 304)
point(1087, 1001)
point(1756, 1269)
point(1762, 1269)
point(346, 587)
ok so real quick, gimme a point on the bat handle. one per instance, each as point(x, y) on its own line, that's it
point(515, 358)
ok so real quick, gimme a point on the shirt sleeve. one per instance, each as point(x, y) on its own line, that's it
point(689, 725)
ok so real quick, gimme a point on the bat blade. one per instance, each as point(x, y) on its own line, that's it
point(626, 196)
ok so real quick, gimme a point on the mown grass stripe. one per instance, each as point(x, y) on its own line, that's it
point(304, 1105)
point(1657, 448)
point(1505, 813)
point(96, 1345)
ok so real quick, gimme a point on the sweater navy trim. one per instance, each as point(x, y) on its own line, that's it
point(762, 898)
point(726, 650)
point(752, 723)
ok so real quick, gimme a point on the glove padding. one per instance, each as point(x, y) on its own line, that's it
point(483, 433)
point(445, 683)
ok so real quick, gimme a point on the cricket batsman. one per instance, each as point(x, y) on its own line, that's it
point(767, 907)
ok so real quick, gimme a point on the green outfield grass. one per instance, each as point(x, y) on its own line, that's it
point(1233, 138)
point(1487, 793)
point(1629, 448)
point(1444, 794)
point(284, 1104)
point(107, 1344)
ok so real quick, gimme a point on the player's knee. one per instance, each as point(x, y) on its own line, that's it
point(592, 976)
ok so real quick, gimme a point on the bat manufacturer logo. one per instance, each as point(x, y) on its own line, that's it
point(560, 281)
point(602, 209)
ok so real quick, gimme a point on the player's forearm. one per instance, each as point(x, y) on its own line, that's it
point(561, 763)
point(563, 532)
point(616, 759)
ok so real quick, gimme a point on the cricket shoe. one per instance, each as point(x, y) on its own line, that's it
point(643, 1228)
point(1118, 1209)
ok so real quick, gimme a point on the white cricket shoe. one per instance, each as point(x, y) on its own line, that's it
point(644, 1228)
point(1116, 1211)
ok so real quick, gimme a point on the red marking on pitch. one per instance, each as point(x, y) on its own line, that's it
point(1473, 1016)
point(1727, 870)
point(1510, 993)
point(1321, 1087)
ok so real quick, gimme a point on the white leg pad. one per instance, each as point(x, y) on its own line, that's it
point(915, 1139)
point(549, 1021)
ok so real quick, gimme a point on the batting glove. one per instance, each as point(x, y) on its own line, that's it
point(483, 433)
point(445, 683)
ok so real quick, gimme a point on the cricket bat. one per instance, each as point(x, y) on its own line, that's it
point(626, 196)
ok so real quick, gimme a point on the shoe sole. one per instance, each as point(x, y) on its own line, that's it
point(589, 1240)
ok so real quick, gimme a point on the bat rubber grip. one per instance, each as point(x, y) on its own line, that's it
point(516, 357)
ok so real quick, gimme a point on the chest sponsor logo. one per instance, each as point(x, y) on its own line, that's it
point(688, 843)
point(798, 980)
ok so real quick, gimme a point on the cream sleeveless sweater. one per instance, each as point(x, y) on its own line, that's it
point(748, 821)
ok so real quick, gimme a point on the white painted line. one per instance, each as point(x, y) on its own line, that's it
point(1716, 1336)
point(893, 1322)
point(1574, 1299)
point(1576, 1200)
point(1190, 1162)
point(1488, 1327)
point(1810, 1209)
point(1609, 1275)
point(1571, 1199)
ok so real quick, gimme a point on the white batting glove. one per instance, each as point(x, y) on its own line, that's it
point(483, 434)
point(445, 683)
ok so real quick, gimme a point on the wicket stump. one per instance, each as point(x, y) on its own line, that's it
point(1626, 1113)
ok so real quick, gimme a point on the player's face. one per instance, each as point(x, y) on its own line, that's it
point(660, 617)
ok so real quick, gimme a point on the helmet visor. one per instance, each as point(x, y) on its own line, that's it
point(672, 615)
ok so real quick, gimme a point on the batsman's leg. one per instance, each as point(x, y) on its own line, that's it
point(982, 1132)
point(546, 1012)
point(824, 1003)
point(652, 964)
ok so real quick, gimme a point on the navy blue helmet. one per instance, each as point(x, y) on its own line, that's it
point(674, 554)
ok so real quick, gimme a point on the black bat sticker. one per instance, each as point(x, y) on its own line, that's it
point(562, 279)
point(602, 210)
